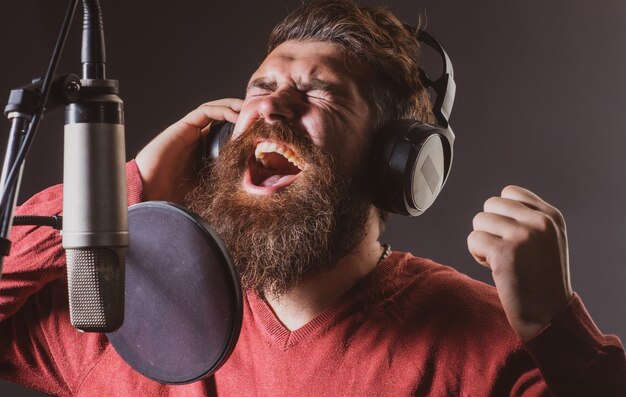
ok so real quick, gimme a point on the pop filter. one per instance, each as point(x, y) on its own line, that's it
point(183, 308)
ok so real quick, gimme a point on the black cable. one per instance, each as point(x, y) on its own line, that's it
point(32, 128)
point(36, 220)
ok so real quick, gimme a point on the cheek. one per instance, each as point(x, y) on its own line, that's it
point(328, 129)
point(344, 141)
point(355, 158)
point(339, 141)
point(316, 131)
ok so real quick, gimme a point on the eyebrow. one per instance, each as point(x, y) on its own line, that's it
point(312, 84)
point(315, 84)
point(262, 82)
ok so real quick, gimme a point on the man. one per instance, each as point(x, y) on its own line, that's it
point(328, 310)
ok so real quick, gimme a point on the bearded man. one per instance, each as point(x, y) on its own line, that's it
point(328, 310)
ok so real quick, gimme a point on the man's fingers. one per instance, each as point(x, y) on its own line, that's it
point(198, 121)
point(204, 114)
point(228, 108)
point(525, 196)
point(501, 226)
point(220, 113)
point(481, 245)
point(529, 219)
point(507, 207)
point(533, 201)
point(233, 103)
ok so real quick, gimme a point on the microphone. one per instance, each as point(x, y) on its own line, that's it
point(95, 209)
point(95, 204)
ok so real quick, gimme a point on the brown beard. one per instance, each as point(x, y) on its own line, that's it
point(306, 228)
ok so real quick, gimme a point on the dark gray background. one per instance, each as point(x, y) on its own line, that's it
point(540, 103)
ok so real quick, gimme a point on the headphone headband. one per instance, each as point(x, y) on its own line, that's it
point(444, 86)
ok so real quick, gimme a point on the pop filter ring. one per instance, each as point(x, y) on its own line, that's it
point(183, 307)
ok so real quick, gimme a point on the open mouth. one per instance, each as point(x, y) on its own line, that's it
point(273, 166)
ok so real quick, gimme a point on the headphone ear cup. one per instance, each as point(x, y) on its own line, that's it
point(215, 140)
point(410, 161)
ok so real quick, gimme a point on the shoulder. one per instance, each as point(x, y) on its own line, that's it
point(425, 280)
point(442, 324)
point(438, 299)
point(47, 202)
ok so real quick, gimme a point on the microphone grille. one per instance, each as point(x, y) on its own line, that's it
point(96, 289)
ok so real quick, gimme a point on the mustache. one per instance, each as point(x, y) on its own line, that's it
point(279, 130)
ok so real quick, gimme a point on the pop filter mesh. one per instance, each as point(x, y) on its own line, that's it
point(183, 304)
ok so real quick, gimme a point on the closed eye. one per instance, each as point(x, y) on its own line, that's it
point(255, 93)
point(318, 94)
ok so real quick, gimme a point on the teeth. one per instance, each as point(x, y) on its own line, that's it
point(268, 147)
point(258, 152)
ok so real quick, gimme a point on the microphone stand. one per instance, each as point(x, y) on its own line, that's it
point(19, 126)
point(20, 110)
point(25, 109)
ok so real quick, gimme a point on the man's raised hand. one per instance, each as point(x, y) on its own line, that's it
point(523, 240)
point(168, 164)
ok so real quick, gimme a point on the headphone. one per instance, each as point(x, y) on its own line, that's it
point(411, 160)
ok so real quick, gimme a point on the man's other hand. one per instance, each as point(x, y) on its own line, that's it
point(523, 240)
point(168, 164)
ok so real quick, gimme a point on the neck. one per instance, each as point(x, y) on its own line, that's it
point(316, 293)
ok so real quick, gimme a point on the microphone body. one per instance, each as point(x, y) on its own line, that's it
point(95, 207)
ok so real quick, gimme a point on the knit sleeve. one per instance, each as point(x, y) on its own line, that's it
point(36, 257)
point(38, 347)
point(575, 358)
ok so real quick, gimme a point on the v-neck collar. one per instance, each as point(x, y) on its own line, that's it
point(263, 316)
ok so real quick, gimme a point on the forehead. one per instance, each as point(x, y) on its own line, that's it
point(305, 60)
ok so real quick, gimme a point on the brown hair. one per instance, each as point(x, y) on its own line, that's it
point(372, 38)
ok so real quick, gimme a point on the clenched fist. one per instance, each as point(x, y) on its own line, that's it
point(523, 240)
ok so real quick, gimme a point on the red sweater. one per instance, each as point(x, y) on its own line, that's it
point(411, 327)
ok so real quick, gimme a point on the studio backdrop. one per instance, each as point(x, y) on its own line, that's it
point(541, 103)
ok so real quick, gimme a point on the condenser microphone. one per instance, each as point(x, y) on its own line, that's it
point(95, 210)
point(95, 204)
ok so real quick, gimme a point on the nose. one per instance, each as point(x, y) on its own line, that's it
point(279, 106)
